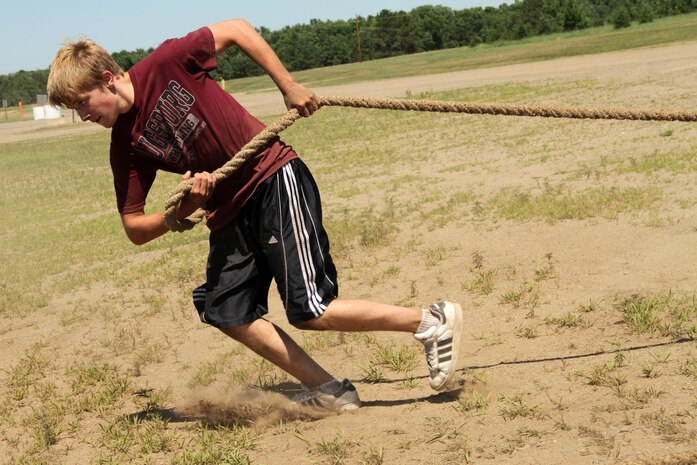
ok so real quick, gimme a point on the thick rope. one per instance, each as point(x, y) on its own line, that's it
point(254, 146)
point(509, 110)
point(268, 135)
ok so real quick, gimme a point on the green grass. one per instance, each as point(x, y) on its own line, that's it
point(525, 296)
point(568, 320)
point(472, 402)
point(546, 270)
point(673, 161)
point(514, 407)
point(218, 446)
point(401, 359)
point(483, 282)
point(606, 375)
point(526, 332)
point(443, 213)
point(335, 451)
point(671, 429)
point(670, 162)
point(65, 187)
point(365, 228)
point(559, 203)
point(689, 368)
point(589, 41)
point(669, 314)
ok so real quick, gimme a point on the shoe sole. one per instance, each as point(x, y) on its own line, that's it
point(322, 408)
point(350, 407)
point(455, 354)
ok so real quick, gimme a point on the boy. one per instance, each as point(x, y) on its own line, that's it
point(167, 113)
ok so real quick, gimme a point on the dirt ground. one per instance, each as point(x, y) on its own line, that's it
point(532, 389)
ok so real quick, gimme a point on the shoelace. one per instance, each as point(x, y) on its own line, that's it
point(431, 355)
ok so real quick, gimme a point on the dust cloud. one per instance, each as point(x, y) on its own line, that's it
point(255, 409)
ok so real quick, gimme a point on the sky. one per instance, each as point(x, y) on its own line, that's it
point(32, 32)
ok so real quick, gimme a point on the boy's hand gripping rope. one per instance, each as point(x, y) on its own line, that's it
point(268, 135)
point(254, 146)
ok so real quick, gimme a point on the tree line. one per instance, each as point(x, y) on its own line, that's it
point(392, 33)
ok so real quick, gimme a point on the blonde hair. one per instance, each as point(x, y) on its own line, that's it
point(78, 67)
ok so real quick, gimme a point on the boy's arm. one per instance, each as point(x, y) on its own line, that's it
point(141, 228)
point(240, 33)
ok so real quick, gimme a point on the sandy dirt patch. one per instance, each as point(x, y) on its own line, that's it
point(551, 373)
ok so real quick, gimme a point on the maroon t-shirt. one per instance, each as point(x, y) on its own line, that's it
point(182, 120)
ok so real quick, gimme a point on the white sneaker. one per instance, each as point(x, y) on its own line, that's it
point(345, 399)
point(442, 343)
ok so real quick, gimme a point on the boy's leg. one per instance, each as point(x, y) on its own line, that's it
point(296, 246)
point(363, 315)
point(234, 300)
point(272, 343)
point(438, 328)
point(275, 345)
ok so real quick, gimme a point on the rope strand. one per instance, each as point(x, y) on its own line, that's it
point(268, 135)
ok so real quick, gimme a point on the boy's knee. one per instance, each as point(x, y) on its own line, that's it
point(238, 333)
point(315, 324)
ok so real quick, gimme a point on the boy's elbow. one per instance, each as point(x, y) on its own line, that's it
point(239, 23)
point(136, 240)
point(230, 32)
point(135, 236)
point(134, 231)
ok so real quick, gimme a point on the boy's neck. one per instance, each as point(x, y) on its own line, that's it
point(125, 93)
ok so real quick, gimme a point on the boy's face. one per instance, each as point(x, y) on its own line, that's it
point(97, 105)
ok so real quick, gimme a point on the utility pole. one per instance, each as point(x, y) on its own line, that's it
point(358, 35)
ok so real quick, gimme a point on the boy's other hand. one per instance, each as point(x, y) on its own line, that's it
point(302, 99)
point(201, 190)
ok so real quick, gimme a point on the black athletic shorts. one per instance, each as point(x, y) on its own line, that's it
point(277, 235)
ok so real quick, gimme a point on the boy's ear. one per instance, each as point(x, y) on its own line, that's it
point(108, 79)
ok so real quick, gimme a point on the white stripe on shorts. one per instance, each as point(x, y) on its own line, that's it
point(302, 240)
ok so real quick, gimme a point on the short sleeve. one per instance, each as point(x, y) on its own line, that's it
point(133, 178)
point(195, 50)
